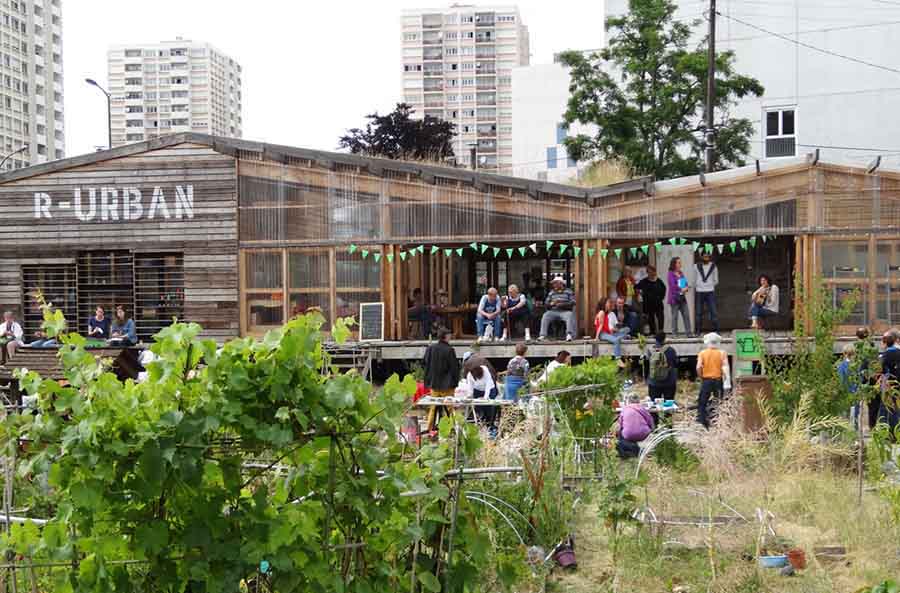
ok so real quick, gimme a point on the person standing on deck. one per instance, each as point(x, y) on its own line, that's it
point(653, 293)
point(705, 293)
point(441, 372)
point(714, 374)
point(678, 290)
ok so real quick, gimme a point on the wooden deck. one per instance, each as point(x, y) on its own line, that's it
point(776, 343)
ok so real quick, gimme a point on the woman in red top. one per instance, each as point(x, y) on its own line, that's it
point(605, 326)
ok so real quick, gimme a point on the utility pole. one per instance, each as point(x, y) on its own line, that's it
point(711, 90)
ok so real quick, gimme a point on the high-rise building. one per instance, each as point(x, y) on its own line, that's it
point(31, 82)
point(457, 66)
point(173, 86)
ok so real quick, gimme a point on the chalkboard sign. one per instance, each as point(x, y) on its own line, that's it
point(371, 322)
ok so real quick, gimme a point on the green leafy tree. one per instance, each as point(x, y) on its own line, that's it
point(646, 93)
point(397, 135)
point(246, 462)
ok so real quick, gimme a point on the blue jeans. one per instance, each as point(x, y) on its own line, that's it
point(616, 340)
point(481, 323)
point(760, 311)
point(513, 385)
point(49, 343)
point(707, 301)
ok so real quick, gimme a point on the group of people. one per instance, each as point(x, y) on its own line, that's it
point(504, 316)
point(638, 303)
point(118, 331)
point(885, 376)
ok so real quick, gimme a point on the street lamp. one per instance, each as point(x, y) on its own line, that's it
point(12, 154)
point(93, 82)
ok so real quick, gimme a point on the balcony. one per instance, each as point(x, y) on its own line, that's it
point(487, 85)
point(485, 52)
point(432, 55)
point(434, 88)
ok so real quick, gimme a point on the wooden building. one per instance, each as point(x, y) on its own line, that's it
point(238, 236)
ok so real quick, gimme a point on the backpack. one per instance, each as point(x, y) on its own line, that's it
point(659, 365)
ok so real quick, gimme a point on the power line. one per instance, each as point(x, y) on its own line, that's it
point(808, 46)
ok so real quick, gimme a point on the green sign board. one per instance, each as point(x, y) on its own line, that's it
point(747, 345)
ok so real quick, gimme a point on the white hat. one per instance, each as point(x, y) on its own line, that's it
point(712, 339)
point(558, 279)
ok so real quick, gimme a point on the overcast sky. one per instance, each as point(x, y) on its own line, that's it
point(312, 68)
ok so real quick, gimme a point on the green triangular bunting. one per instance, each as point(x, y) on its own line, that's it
point(752, 241)
point(696, 245)
point(390, 258)
point(658, 245)
point(434, 249)
point(591, 251)
point(377, 257)
point(549, 244)
point(645, 249)
point(365, 253)
point(459, 251)
point(633, 251)
point(577, 251)
point(604, 252)
point(421, 248)
point(682, 240)
point(708, 248)
point(618, 252)
point(509, 253)
point(743, 243)
point(733, 246)
point(352, 248)
point(448, 252)
point(474, 246)
point(496, 251)
point(672, 241)
point(403, 255)
point(483, 248)
point(562, 248)
point(522, 251)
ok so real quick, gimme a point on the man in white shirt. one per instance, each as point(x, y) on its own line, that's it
point(705, 290)
point(10, 333)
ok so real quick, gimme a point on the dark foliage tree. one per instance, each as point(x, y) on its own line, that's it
point(397, 136)
point(646, 93)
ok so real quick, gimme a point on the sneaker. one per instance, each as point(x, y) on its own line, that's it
point(568, 337)
point(527, 335)
point(541, 338)
point(504, 337)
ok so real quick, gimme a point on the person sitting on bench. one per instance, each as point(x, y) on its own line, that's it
point(123, 332)
point(98, 325)
point(10, 333)
point(560, 303)
point(764, 302)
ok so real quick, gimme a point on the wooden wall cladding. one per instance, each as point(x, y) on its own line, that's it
point(181, 198)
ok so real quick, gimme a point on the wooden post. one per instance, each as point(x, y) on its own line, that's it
point(400, 292)
point(387, 294)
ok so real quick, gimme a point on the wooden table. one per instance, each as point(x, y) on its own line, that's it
point(457, 316)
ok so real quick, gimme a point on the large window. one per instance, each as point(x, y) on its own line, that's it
point(781, 132)
point(158, 292)
point(56, 284)
point(309, 287)
point(264, 283)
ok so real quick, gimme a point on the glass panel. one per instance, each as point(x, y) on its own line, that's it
point(347, 303)
point(264, 270)
point(482, 279)
point(888, 261)
point(859, 313)
point(353, 271)
point(844, 259)
point(772, 123)
point(308, 269)
point(551, 157)
point(265, 310)
point(158, 292)
point(787, 123)
point(887, 302)
point(301, 303)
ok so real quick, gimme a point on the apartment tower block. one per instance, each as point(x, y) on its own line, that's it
point(173, 86)
point(457, 66)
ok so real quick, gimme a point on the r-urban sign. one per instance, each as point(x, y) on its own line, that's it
point(118, 204)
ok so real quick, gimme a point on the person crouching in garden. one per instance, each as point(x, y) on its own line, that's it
point(635, 425)
point(714, 374)
point(483, 385)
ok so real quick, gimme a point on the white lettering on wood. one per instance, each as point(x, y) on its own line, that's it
point(109, 203)
point(184, 201)
point(158, 202)
point(92, 211)
point(132, 208)
point(42, 203)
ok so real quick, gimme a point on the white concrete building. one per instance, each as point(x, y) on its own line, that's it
point(457, 66)
point(814, 99)
point(173, 86)
point(31, 82)
point(540, 94)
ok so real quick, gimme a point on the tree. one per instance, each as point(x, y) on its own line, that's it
point(646, 92)
point(398, 136)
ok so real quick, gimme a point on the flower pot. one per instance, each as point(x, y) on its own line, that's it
point(565, 557)
point(797, 558)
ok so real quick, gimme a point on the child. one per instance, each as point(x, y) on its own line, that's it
point(516, 373)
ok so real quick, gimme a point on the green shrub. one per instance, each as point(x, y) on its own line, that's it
point(603, 373)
